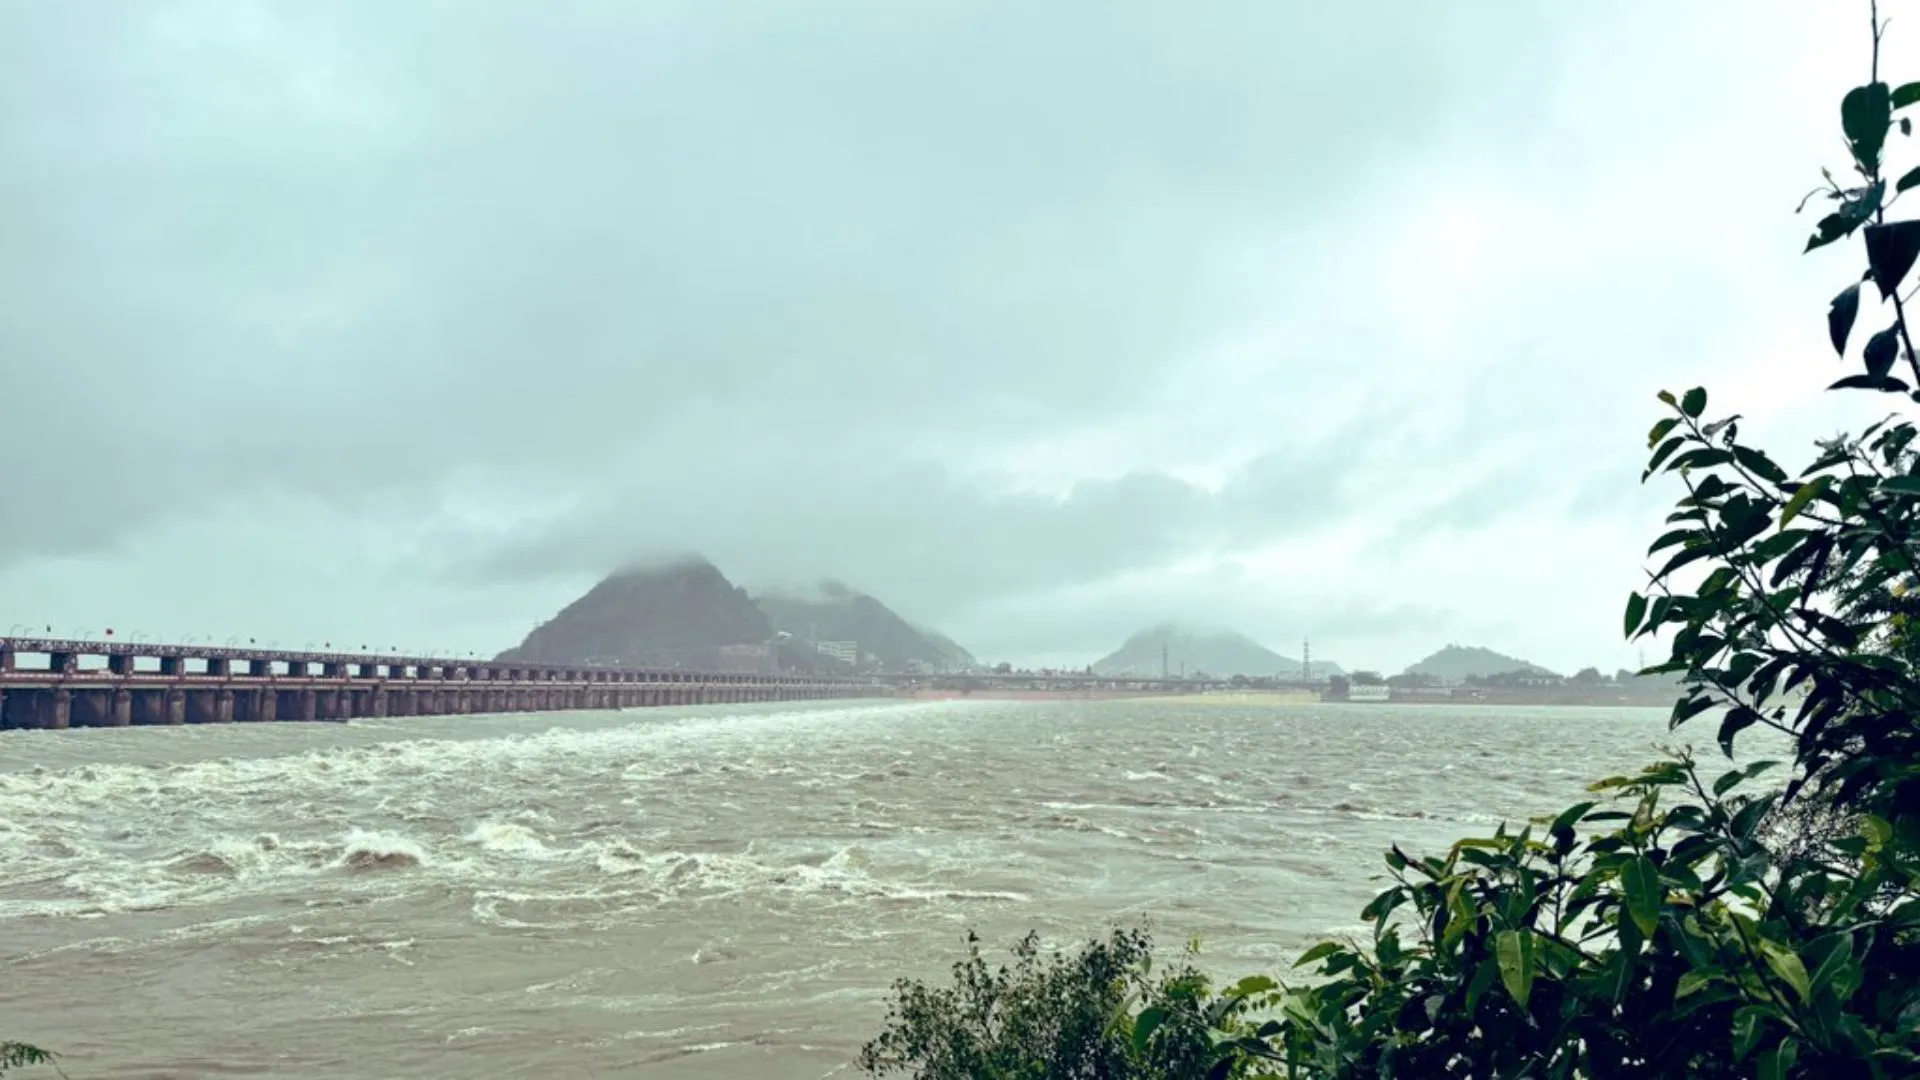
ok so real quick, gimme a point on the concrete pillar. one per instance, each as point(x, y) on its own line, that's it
point(120, 713)
point(343, 705)
point(5, 720)
point(223, 706)
point(219, 667)
point(6, 660)
point(59, 711)
point(306, 705)
point(266, 706)
point(379, 701)
point(90, 708)
point(176, 707)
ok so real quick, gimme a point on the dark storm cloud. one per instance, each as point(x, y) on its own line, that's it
point(360, 248)
point(439, 310)
point(928, 542)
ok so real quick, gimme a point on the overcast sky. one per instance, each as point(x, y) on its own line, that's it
point(401, 323)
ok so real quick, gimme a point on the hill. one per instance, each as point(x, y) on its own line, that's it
point(682, 614)
point(832, 612)
point(1217, 653)
point(1456, 663)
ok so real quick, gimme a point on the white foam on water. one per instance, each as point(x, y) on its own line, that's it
point(132, 837)
point(510, 838)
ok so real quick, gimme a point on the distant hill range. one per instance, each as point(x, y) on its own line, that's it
point(686, 614)
point(832, 612)
point(1195, 652)
point(1457, 663)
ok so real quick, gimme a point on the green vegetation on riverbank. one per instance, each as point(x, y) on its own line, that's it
point(15, 1055)
point(1682, 923)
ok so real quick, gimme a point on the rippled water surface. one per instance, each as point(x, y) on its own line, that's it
point(718, 892)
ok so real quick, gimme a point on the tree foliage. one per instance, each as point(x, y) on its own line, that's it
point(1761, 921)
point(1052, 1016)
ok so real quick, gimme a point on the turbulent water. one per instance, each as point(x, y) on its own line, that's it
point(716, 892)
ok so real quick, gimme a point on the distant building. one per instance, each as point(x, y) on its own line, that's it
point(745, 659)
point(847, 652)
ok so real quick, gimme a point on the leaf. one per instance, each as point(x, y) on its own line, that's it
point(1836, 960)
point(1636, 610)
point(1683, 558)
point(1691, 982)
point(1562, 828)
point(1777, 1063)
point(1901, 485)
point(1891, 250)
point(1660, 431)
point(1807, 493)
point(1908, 179)
point(1737, 720)
point(1145, 1025)
point(1865, 114)
point(1749, 1023)
point(1870, 382)
point(1253, 984)
point(1661, 455)
point(1841, 312)
point(1758, 463)
point(1787, 966)
point(1641, 879)
point(1882, 350)
point(1318, 952)
point(1695, 402)
point(1853, 213)
point(1483, 977)
point(1515, 950)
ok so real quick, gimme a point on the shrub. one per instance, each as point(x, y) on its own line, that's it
point(1052, 1016)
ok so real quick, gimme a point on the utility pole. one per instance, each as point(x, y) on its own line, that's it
point(1306, 660)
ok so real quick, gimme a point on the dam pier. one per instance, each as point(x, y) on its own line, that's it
point(55, 684)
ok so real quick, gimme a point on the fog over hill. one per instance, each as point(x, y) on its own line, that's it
point(831, 611)
point(1215, 652)
point(681, 612)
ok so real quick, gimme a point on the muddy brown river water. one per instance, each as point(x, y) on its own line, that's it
point(712, 892)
